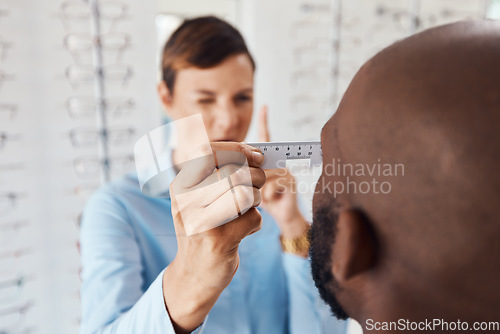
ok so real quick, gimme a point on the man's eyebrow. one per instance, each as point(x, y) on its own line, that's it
point(321, 132)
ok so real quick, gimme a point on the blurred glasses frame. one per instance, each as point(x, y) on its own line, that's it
point(14, 225)
point(78, 11)
point(307, 101)
point(308, 80)
point(78, 74)
point(79, 43)
point(11, 231)
point(313, 25)
point(4, 46)
point(11, 167)
point(12, 318)
point(91, 166)
point(311, 7)
point(89, 137)
point(25, 330)
point(12, 288)
point(8, 109)
point(8, 201)
point(83, 107)
point(83, 191)
point(4, 13)
point(5, 77)
point(411, 22)
point(429, 19)
point(404, 20)
point(5, 137)
point(312, 49)
point(298, 118)
point(11, 259)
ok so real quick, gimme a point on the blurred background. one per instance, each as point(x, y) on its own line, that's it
point(73, 72)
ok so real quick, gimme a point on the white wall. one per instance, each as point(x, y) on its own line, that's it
point(49, 186)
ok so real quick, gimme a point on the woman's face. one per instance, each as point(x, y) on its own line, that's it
point(222, 94)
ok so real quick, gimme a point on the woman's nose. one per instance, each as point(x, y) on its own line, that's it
point(227, 118)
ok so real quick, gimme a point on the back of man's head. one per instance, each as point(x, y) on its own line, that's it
point(415, 233)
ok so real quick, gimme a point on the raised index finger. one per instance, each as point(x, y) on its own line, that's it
point(263, 129)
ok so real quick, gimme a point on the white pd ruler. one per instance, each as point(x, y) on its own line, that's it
point(276, 154)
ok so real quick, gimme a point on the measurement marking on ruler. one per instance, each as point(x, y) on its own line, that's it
point(277, 153)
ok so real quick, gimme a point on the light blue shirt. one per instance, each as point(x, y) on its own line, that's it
point(127, 239)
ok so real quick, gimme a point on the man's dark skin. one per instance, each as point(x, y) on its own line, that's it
point(431, 247)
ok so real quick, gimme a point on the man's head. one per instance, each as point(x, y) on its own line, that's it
point(405, 212)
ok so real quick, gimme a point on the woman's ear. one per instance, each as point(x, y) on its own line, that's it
point(165, 96)
point(355, 246)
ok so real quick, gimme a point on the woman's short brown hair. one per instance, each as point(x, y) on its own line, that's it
point(201, 42)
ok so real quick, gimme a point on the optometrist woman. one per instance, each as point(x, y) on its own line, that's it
point(141, 273)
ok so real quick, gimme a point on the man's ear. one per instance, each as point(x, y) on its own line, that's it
point(165, 95)
point(355, 246)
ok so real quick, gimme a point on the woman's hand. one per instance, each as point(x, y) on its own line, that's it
point(279, 196)
point(213, 208)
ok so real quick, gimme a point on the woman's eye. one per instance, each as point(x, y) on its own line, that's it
point(243, 98)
